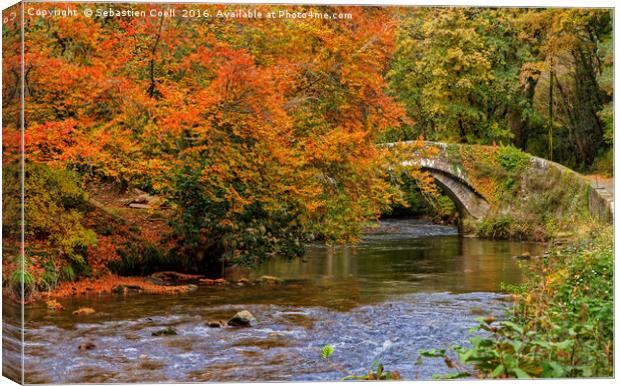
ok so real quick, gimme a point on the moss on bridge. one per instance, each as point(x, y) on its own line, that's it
point(530, 198)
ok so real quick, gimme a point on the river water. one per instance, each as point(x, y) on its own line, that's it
point(409, 285)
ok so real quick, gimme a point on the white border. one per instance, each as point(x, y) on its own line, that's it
point(490, 3)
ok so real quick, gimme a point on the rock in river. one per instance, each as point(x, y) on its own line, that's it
point(84, 311)
point(523, 256)
point(270, 280)
point(216, 323)
point(53, 304)
point(126, 288)
point(86, 346)
point(165, 331)
point(242, 319)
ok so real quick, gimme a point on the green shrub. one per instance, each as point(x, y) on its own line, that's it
point(54, 206)
point(11, 201)
point(562, 326)
point(512, 159)
point(445, 206)
point(209, 231)
point(139, 257)
point(504, 226)
point(55, 203)
point(23, 278)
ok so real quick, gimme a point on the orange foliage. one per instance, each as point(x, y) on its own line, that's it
point(276, 113)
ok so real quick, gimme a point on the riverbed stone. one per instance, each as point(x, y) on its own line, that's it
point(118, 289)
point(154, 280)
point(86, 346)
point(243, 281)
point(126, 288)
point(242, 319)
point(53, 305)
point(83, 311)
point(524, 256)
point(165, 332)
point(173, 278)
point(270, 280)
point(216, 323)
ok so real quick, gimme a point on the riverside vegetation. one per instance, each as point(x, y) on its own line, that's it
point(250, 139)
point(561, 325)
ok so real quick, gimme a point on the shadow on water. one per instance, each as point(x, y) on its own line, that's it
point(408, 286)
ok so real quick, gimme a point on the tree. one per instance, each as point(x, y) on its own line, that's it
point(456, 69)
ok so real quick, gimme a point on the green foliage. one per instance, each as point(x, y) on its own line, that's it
point(375, 373)
point(527, 201)
point(561, 327)
point(141, 257)
point(67, 273)
point(604, 164)
point(457, 72)
point(512, 159)
point(210, 230)
point(22, 279)
point(504, 226)
point(11, 200)
point(483, 76)
point(327, 351)
point(414, 203)
point(572, 77)
point(517, 289)
point(445, 207)
point(55, 204)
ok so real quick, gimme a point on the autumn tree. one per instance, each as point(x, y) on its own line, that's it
point(572, 62)
point(536, 78)
point(261, 134)
point(457, 71)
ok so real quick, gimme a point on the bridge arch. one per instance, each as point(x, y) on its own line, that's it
point(453, 181)
point(469, 202)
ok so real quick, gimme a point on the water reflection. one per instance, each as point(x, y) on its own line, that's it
point(388, 263)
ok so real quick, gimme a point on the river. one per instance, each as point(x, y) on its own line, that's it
point(409, 285)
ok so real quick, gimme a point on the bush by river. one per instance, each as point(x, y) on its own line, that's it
point(562, 323)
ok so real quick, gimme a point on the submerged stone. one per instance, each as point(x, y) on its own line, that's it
point(86, 346)
point(270, 279)
point(84, 311)
point(54, 305)
point(165, 332)
point(215, 323)
point(524, 256)
point(126, 288)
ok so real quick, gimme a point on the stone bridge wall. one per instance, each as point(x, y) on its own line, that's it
point(600, 201)
point(453, 179)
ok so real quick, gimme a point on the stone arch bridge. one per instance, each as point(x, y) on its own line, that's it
point(451, 175)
